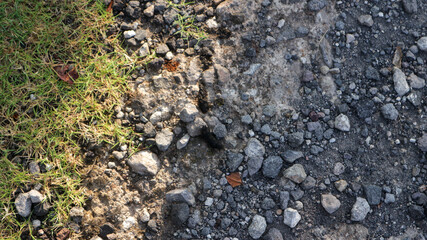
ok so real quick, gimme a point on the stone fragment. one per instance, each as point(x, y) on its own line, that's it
point(180, 213)
point(342, 123)
point(274, 234)
point(195, 128)
point(341, 185)
point(234, 160)
point(422, 43)
point(254, 165)
point(164, 139)
point(257, 227)
point(330, 203)
point(35, 196)
point(182, 143)
point(360, 209)
point(188, 113)
point(416, 82)
point(254, 148)
point(366, 20)
point(422, 142)
point(296, 139)
point(144, 163)
point(272, 166)
point(291, 156)
point(400, 84)
point(182, 195)
point(23, 204)
point(410, 6)
point(373, 194)
point(316, 5)
point(296, 173)
point(389, 112)
point(291, 217)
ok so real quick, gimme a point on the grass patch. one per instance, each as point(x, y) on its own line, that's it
point(44, 119)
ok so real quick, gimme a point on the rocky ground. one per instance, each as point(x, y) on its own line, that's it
point(320, 106)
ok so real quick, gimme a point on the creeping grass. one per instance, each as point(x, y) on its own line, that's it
point(46, 120)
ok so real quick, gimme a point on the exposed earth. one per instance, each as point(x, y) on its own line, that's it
point(320, 106)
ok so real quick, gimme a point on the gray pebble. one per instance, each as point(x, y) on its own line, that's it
point(360, 209)
point(144, 163)
point(389, 111)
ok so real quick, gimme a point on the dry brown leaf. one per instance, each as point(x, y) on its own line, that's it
point(397, 59)
point(110, 6)
point(234, 179)
point(66, 73)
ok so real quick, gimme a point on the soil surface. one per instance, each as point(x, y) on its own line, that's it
point(320, 106)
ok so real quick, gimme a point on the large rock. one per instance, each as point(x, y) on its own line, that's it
point(257, 227)
point(342, 123)
point(144, 163)
point(330, 203)
point(254, 148)
point(400, 84)
point(23, 204)
point(296, 173)
point(272, 166)
point(164, 139)
point(182, 195)
point(291, 217)
point(360, 209)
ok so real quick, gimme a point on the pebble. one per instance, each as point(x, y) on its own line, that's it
point(188, 113)
point(35, 196)
point(182, 195)
point(360, 209)
point(195, 128)
point(422, 142)
point(342, 123)
point(145, 215)
point(339, 168)
point(389, 198)
point(144, 163)
point(257, 227)
point(272, 166)
point(373, 194)
point(23, 204)
point(296, 139)
point(410, 6)
point(291, 156)
point(400, 84)
point(180, 213)
point(389, 111)
point(274, 234)
point(422, 43)
point(416, 212)
point(366, 20)
point(341, 185)
point(119, 155)
point(284, 199)
point(129, 222)
point(316, 5)
point(254, 164)
point(330, 203)
point(182, 143)
point(416, 82)
point(234, 160)
point(220, 131)
point(252, 69)
point(164, 139)
point(254, 148)
point(129, 34)
point(296, 173)
point(291, 217)
point(36, 223)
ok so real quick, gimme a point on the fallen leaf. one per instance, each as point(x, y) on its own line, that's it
point(397, 59)
point(234, 179)
point(66, 73)
point(110, 6)
point(171, 65)
point(63, 234)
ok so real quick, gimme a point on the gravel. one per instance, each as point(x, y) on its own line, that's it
point(291, 217)
point(144, 163)
point(257, 227)
point(272, 166)
point(330, 203)
point(360, 209)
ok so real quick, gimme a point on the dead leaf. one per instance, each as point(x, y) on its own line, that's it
point(234, 179)
point(66, 73)
point(63, 234)
point(110, 6)
point(171, 65)
point(397, 59)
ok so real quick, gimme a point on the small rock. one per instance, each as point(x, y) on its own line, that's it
point(23, 204)
point(164, 139)
point(416, 82)
point(389, 111)
point(257, 227)
point(366, 20)
point(129, 34)
point(416, 212)
point(145, 215)
point(389, 198)
point(339, 168)
point(342, 123)
point(400, 84)
point(422, 142)
point(220, 131)
point(35, 196)
point(63, 234)
point(162, 49)
point(252, 69)
point(179, 213)
point(272, 166)
point(296, 139)
point(341, 185)
point(140, 35)
point(296, 173)
point(36, 223)
point(34, 167)
point(274, 234)
point(373, 194)
point(183, 142)
point(360, 209)
point(119, 155)
point(144, 163)
point(316, 5)
point(422, 43)
point(188, 113)
point(372, 73)
point(149, 11)
point(77, 213)
point(246, 119)
point(410, 6)
point(254, 165)
point(291, 217)
point(129, 222)
point(291, 156)
point(330, 203)
point(106, 229)
point(195, 128)
point(284, 199)
point(234, 160)
point(254, 148)
point(308, 183)
point(182, 195)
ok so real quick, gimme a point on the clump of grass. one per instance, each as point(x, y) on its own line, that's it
point(44, 119)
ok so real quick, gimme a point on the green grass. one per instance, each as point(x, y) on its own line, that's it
point(34, 36)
